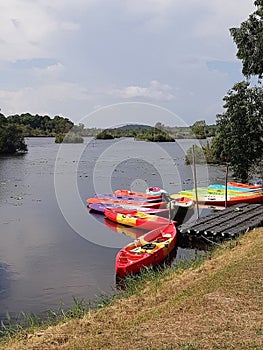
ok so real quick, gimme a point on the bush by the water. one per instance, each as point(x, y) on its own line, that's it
point(11, 140)
point(69, 138)
point(203, 155)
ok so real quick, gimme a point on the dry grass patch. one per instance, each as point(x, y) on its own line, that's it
point(215, 306)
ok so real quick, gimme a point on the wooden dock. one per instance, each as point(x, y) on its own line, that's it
point(226, 224)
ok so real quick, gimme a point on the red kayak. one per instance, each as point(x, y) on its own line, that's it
point(128, 193)
point(135, 218)
point(148, 250)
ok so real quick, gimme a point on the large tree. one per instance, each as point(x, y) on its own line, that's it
point(249, 40)
point(239, 137)
point(11, 139)
point(199, 129)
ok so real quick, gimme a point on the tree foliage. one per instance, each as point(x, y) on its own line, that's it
point(37, 125)
point(14, 128)
point(199, 129)
point(249, 40)
point(203, 154)
point(11, 139)
point(239, 137)
point(70, 137)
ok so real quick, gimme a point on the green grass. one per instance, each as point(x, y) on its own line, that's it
point(25, 323)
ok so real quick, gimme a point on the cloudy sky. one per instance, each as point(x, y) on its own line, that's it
point(75, 58)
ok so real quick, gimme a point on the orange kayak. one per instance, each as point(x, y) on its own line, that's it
point(239, 184)
point(231, 200)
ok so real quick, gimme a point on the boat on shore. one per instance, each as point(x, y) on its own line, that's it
point(148, 250)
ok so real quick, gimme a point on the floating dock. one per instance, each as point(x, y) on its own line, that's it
point(226, 224)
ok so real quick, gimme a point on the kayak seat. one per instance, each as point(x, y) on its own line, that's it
point(148, 246)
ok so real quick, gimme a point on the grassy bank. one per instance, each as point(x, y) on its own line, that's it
point(217, 304)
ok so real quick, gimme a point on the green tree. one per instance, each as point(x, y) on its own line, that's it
point(239, 130)
point(239, 137)
point(249, 40)
point(3, 119)
point(11, 139)
point(199, 129)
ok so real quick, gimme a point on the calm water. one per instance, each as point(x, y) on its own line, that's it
point(51, 248)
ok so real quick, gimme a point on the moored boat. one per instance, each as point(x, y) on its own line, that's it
point(154, 191)
point(181, 208)
point(138, 194)
point(219, 200)
point(232, 186)
point(148, 250)
point(121, 202)
point(127, 197)
point(100, 208)
point(135, 218)
point(239, 184)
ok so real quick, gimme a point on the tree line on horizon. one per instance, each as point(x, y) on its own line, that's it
point(14, 128)
point(160, 132)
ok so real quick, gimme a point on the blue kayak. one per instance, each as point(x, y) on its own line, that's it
point(234, 188)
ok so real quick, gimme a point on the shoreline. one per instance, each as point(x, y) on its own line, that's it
point(205, 305)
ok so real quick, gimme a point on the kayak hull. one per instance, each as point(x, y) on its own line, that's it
point(93, 200)
point(100, 208)
point(145, 196)
point(182, 208)
point(219, 200)
point(149, 250)
point(135, 218)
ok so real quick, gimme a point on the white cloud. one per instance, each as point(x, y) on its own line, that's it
point(52, 72)
point(102, 46)
point(221, 15)
point(27, 27)
point(149, 6)
point(70, 26)
point(23, 27)
point(42, 99)
point(155, 91)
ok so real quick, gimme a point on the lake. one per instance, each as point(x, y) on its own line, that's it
point(52, 249)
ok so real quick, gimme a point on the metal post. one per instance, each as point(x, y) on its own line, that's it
point(226, 180)
point(195, 183)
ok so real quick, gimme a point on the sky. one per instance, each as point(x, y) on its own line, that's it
point(110, 62)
